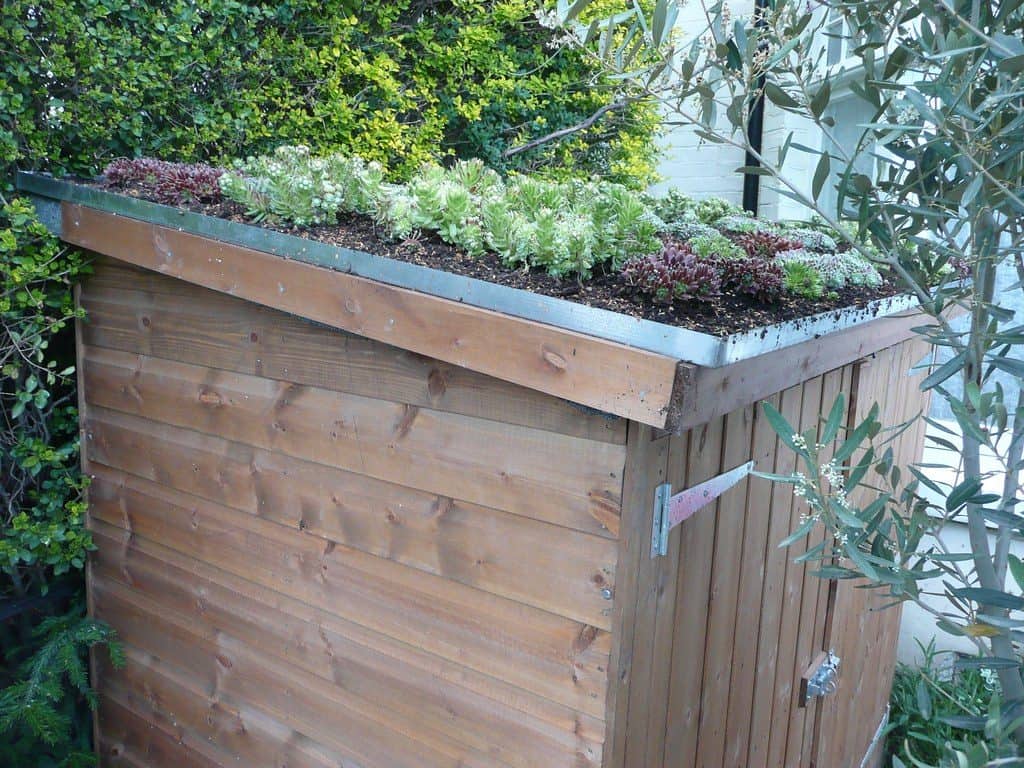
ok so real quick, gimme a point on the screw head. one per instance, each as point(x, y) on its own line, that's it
point(607, 593)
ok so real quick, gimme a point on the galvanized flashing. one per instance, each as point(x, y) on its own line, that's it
point(678, 343)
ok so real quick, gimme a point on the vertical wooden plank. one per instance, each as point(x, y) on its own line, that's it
point(632, 610)
point(730, 522)
point(751, 583)
point(786, 672)
point(826, 586)
point(772, 594)
point(863, 635)
point(666, 580)
point(696, 551)
point(809, 640)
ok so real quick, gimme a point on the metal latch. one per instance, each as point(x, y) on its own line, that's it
point(670, 511)
point(821, 678)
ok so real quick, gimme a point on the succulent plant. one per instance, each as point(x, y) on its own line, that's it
point(811, 239)
point(755, 276)
point(710, 210)
point(837, 270)
point(674, 274)
point(165, 182)
point(803, 280)
point(744, 224)
point(673, 206)
point(716, 246)
point(766, 245)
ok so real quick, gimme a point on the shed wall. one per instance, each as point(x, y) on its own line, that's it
point(321, 550)
point(728, 623)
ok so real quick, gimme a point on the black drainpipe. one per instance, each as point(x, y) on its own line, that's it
point(755, 128)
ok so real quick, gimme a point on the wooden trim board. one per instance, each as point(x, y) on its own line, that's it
point(608, 376)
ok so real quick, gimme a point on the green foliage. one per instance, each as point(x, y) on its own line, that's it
point(399, 83)
point(926, 699)
point(802, 280)
point(40, 723)
point(674, 206)
point(40, 486)
point(562, 227)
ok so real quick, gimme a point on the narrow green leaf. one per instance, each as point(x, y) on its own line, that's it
point(962, 493)
point(924, 699)
point(853, 442)
point(834, 420)
point(1017, 570)
point(779, 97)
point(778, 423)
point(993, 597)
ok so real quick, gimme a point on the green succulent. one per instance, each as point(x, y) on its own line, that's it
point(803, 280)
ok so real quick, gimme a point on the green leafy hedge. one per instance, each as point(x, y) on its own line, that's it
point(401, 83)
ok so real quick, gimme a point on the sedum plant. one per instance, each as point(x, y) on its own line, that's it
point(836, 270)
point(168, 183)
point(803, 280)
point(565, 228)
point(294, 185)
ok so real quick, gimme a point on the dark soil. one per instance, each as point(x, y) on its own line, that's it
point(729, 313)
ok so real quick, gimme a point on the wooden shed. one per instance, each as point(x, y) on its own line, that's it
point(354, 512)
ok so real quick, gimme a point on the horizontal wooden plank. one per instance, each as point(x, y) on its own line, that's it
point(409, 691)
point(128, 740)
point(223, 733)
point(140, 311)
point(564, 480)
point(714, 392)
point(611, 377)
point(542, 565)
point(235, 676)
point(558, 658)
point(316, 638)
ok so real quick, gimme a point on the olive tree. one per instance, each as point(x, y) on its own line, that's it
point(933, 191)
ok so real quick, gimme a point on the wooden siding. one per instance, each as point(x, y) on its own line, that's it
point(731, 622)
point(862, 633)
point(322, 549)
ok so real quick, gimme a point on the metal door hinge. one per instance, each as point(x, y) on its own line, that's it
point(670, 511)
point(821, 678)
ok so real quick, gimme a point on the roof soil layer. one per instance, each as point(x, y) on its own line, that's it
point(729, 313)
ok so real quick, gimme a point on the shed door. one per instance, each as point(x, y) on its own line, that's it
point(862, 634)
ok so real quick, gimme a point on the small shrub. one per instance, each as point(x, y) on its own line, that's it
point(802, 280)
point(674, 274)
point(167, 183)
point(924, 697)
